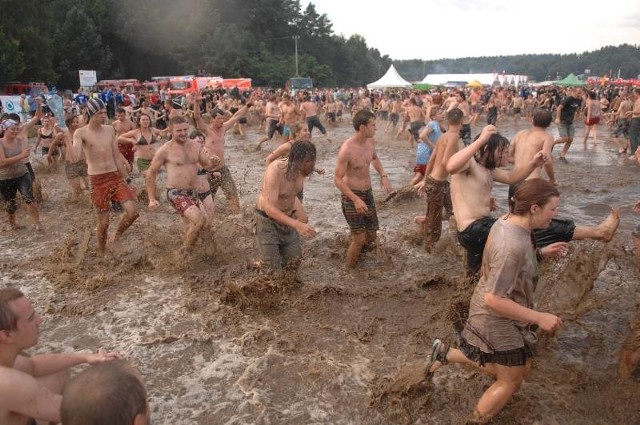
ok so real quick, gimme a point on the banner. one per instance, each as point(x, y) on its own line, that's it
point(11, 104)
point(87, 78)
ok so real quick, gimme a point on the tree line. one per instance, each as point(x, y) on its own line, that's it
point(50, 41)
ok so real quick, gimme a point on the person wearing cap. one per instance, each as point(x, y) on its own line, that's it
point(15, 172)
point(107, 170)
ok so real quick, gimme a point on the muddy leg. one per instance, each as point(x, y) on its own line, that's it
point(355, 248)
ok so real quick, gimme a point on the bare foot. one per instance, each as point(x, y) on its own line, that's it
point(609, 226)
point(420, 219)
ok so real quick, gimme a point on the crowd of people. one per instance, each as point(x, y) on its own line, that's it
point(453, 169)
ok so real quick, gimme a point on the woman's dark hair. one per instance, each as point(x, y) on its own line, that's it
point(489, 154)
point(532, 192)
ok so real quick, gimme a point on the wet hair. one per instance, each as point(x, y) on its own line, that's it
point(8, 319)
point(489, 154)
point(542, 118)
point(301, 151)
point(592, 95)
point(462, 95)
point(121, 111)
point(532, 192)
point(14, 116)
point(178, 119)
point(455, 116)
point(362, 117)
point(107, 393)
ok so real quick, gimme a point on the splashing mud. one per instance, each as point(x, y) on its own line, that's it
point(219, 343)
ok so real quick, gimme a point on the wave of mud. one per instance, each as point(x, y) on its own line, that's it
point(219, 342)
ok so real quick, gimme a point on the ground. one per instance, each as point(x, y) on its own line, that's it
point(218, 343)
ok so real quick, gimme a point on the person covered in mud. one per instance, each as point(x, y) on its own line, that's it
point(280, 216)
point(31, 387)
point(107, 171)
point(214, 142)
point(499, 334)
point(299, 132)
point(15, 175)
point(352, 178)
point(181, 157)
point(473, 171)
point(435, 183)
point(108, 393)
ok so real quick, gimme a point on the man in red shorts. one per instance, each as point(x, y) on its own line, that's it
point(107, 169)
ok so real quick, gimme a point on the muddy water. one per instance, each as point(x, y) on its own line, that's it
point(220, 344)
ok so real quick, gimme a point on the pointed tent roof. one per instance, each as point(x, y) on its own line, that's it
point(570, 80)
point(390, 79)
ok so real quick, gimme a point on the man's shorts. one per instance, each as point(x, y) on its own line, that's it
point(365, 222)
point(517, 110)
point(274, 125)
point(510, 358)
point(182, 199)
point(126, 149)
point(75, 170)
point(621, 128)
point(109, 187)
point(415, 127)
point(395, 118)
point(566, 130)
point(278, 244)
point(286, 131)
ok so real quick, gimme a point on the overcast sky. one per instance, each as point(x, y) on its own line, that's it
point(435, 29)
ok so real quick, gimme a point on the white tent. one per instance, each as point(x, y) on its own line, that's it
point(390, 79)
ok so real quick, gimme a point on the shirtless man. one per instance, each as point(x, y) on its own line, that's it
point(634, 124)
point(416, 120)
point(621, 125)
point(123, 124)
point(462, 104)
point(273, 115)
point(280, 216)
point(435, 183)
point(517, 104)
point(76, 171)
point(354, 182)
point(107, 170)
point(394, 113)
point(181, 157)
point(290, 115)
point(31, 387)
point(310, 111)
point(214, 142)
point(527, 143)
point(473, 171)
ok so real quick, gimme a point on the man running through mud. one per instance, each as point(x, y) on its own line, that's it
point(181, 157)
point(354, 182)
point(107, 170)
point(214, 142)
point(473, 171)
point(280, 216)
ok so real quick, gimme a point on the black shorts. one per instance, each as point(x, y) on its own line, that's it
point(511, 358)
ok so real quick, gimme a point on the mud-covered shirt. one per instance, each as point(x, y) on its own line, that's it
point(509, 270)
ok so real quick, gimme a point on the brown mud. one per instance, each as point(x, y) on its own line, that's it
point(219, 343)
